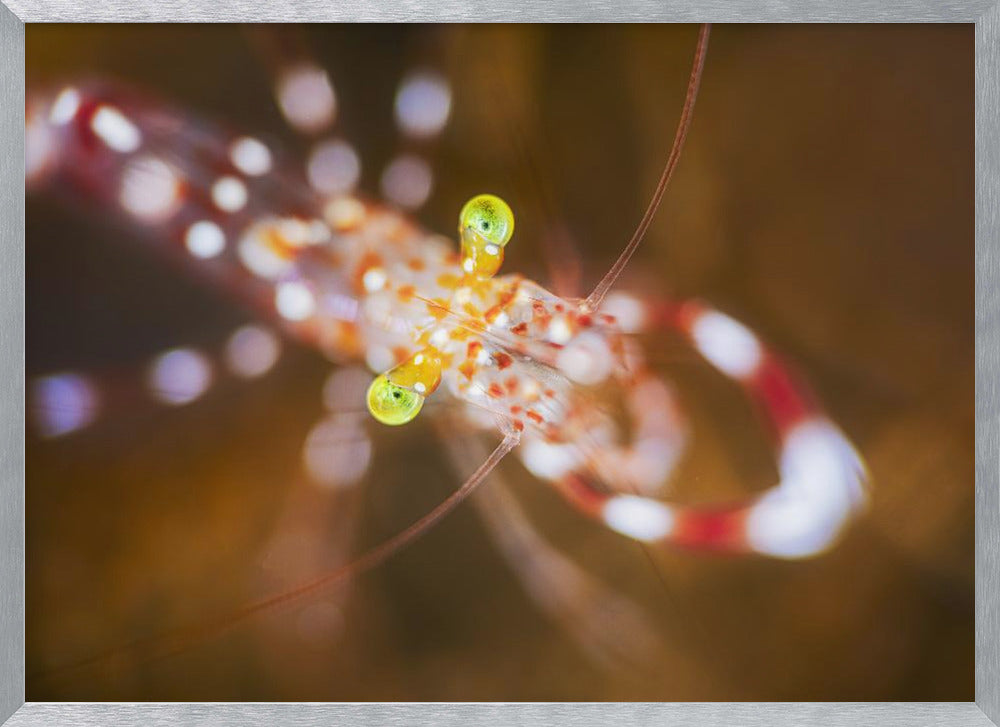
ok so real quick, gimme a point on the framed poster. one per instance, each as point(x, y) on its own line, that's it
point(710, 398)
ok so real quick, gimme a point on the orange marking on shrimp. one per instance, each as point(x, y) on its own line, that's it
point(406, 293)
point(534, 416)
point(277, 244)
point(416, 264)
point(399, 231)
point(449, 281)
point(520, 329)
point(549, 393)
point(506, 298)
point(585, 321)
point(541, 315)
point(437, 307)
point(511, 384)
point(368, 261)
point(608, 318)
point(347, 338)
point(516, 409)
point(503, 360)
point(518, 425)
point(482, 289)
point(467, 369)
point(473, 350)
point(495, 390)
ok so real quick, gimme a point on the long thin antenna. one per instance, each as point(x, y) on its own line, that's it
point(167, 644)
point(594, 300)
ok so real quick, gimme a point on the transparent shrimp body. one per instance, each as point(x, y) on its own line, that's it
point(497, 342)
point(358, 280)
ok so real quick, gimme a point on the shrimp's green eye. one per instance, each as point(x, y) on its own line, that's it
point(392, 404)
point(490, 216)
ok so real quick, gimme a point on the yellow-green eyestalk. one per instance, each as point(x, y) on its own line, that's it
point(393, 404)
point(490, 217)
point(485, 225)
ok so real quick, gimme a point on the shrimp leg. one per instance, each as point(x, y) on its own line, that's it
point(65, 402)
point(612, 629)
point(821, 476)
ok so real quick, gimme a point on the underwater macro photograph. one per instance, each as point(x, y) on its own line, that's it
point(499, 362)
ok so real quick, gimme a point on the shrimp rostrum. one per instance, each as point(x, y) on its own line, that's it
point(564, 379)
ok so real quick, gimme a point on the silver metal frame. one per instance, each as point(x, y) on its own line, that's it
point(986, 709)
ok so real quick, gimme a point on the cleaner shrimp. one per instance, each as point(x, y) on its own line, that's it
point(561, 376)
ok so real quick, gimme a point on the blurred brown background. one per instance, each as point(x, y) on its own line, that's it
point(825, 198)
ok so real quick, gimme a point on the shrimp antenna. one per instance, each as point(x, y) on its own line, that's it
point(594, 300)
point(168, 644)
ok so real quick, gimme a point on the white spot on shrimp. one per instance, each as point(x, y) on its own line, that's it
point(379, 358)
point(307, 99)
point(423, 104)
point(639, 517)
point(65, 106)
point(229, 194)
point(727, 344)
point(344, 213)
point(250, 156)
point(179, 376)
point(63, 403)
point(530, 389)
point(115, 129)
point(204, 239)
point(821, 483)
point(334, 167)
point(629, 312)
point(252, 351)
point(439, 337)
point(374, 279)
point(559, 330)
point(150, 189)
point(294, 301)
point(586, 359)
point(299, 233)
point(260, 257)
point(407, 181)
point(547, 460)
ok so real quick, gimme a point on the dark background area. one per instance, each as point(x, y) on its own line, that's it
point(825, 198)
